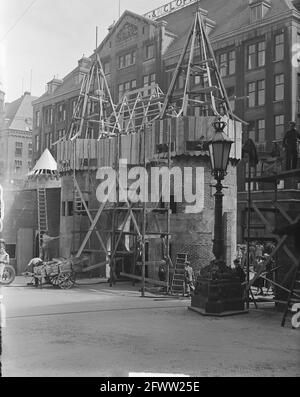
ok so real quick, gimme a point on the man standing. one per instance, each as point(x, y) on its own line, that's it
point(290, 146)
point(46, 240)
point(4, 257)
point(189, 278)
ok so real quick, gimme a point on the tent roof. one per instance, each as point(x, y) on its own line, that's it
point(45, 163)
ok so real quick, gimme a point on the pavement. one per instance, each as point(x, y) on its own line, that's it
point(97, 331)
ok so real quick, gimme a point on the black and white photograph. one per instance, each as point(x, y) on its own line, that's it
point(149, 191)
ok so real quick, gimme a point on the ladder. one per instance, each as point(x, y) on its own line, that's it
point(42, 212)
point(294, 295)
point(178, 281)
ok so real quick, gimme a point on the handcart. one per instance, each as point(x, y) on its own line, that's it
point(59, 273)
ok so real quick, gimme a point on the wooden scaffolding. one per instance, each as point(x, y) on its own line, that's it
point(96, 116)
point(270, 217)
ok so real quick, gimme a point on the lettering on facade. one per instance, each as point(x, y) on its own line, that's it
point(168, 8)
point(127, 32)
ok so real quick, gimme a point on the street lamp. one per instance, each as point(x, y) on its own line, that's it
point(219, 150)
point(219, 290)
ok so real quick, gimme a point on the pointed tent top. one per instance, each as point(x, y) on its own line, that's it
point(46, 165)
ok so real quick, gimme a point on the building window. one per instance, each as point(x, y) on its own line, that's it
point(30, 149)
point(227, 63)
point(251, 56)
point(261, 92)
point(232, 62)
point(279, 87)
point(279, 127)
point(150, 79)
point(29, 165)
point(37, 118)
point(150, 51)
point(256, 93)
point(261, 54)
point(37, 143)
point(18, 166)
point(256, 13)
point(223, 64)
point(279, 47)
point(48, 116)
point(106, 67)
point(133, 84)
point(261, 129)
point(18, 149)
point(256, 55)
point(127, 60)
point(62, 113)
point(126, 87)
point(251, 95)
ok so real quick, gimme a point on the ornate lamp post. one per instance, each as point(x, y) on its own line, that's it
point(219, 150)
point(219, 290)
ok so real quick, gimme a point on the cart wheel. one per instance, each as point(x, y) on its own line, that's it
point(66, 280)
point(54, 281)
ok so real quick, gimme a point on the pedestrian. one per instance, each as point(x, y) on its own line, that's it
point(162, 273)
point(45, 248)
point(259, 269)
point(189, 278)
point(259, 251)
point(4, 257)
point(291, 138)
point(239, 270)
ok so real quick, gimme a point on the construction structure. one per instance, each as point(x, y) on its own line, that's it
point(31, 211)
point(274, 221)
point(147, 136)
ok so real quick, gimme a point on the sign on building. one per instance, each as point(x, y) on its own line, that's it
point(168, 8)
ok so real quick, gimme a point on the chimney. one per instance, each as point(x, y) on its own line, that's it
point(84, 64)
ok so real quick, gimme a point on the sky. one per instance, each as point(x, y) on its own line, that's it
point(40, 39)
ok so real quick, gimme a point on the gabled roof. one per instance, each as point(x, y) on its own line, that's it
point(119, 22)
point(46, 165)
point(19, 114)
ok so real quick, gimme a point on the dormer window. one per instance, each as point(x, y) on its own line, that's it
point(258, 9)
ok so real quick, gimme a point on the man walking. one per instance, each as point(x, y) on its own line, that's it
point(290, 146)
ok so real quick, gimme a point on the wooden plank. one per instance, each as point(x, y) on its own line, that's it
point(93, 267)
point(147, 280)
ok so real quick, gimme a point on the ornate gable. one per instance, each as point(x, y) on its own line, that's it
point(128, 31)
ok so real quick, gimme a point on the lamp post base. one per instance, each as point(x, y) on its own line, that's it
point(219, 292)
point(224, 314)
